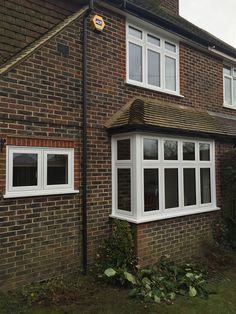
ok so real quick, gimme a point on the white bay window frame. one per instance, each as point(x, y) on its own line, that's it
point(42, 188)
point(138, 164)
point(145, 45)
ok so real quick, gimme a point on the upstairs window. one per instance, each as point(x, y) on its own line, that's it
point(152, 60)
point(230, 86)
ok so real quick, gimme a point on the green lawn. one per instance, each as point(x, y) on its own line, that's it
point(106, 300)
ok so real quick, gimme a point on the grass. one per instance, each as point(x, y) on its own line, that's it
point(107, 300)
point(94, 298)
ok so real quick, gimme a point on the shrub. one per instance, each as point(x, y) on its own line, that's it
point(117, 260)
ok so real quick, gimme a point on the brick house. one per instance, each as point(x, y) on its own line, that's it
point(139, 137)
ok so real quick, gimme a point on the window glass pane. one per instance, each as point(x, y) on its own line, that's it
point(170, 150)
point(227, 90)
point(171, 188)
point(204, 151)
point(135, 62)
point(227, 70)
point(170, 47)
point(153, 40)
point(135, 32)
point(150, 148)
point(57, 169)
point(188, 151)
point(234, 92)
point(205, 178)
point(153, 68)
point(151, 190)
point(170, 73)
point(189, 187)
point(123, 149)
point(25, 169)
point(124, 189)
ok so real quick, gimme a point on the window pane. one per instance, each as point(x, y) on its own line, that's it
point(57, 169)
point(189, 187)
point(124, 189)
point(150, 148)
point(123, 149)
point(135, 32)
point(170, 150)
point(227, 90)
point(234, 92)
point(25, 169)
point(153, 68)
point(188, 151)
point(170, 47)
point(204, 151)
point(135, 62)
point(171, 188)
point(205, 177)
point(170, 73)
point(154, 40)
point(227, 70)
point(151, 190)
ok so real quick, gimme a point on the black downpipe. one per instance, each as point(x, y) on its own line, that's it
point(85, 141)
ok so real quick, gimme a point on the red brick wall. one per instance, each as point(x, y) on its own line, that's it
point(21, 22)
point(41, 98)
point(171, 5)
point(40, 105)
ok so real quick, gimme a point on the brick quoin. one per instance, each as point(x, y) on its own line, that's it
point(41, 105)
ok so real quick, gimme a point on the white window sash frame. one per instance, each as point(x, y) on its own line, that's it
point(70, 166)
point(138, 164)
point(159, 49)
point(9, 169)
point(41, 188)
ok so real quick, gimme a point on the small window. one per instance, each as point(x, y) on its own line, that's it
point(154, 40)
point(151, 190)
point(123, 149)
point(150, 149)
point(124, 189)
point(39, 171)
point(170, 150)
point(205, 177)
point(170, 47)
point(229, 74)
point(204, 150)
point(135, 32)
point(188, 151)
point(171, 188)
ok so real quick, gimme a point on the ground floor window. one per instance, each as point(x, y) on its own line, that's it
point(37, 171)
point(157, 177)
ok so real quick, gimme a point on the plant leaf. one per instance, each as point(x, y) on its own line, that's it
point(110, 272)
point(130, 277)
point(192, 291)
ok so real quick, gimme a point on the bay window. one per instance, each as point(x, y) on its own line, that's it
point(152, 60)
point(158, 177)
point(39, 171)
point(230, 86)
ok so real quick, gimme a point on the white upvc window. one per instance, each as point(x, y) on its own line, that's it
point(229, 86)
point(152, 60)
point(35, 171)
point(158, 177)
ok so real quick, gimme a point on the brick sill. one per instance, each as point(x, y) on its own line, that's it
point(35, 194)
point(164, 216)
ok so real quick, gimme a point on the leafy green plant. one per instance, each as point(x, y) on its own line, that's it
point(164, 280)
point(117, 260)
